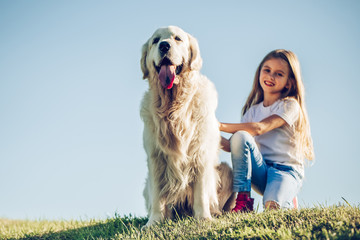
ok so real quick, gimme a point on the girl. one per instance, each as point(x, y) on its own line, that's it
point(270, 144)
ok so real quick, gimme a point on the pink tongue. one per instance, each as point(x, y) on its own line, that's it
point(167, 76)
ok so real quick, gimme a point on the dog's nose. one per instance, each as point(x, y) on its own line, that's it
point(164, 47)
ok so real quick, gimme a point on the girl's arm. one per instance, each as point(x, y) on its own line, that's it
point(254, 128)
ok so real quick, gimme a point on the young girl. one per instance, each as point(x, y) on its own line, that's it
point(270, 144)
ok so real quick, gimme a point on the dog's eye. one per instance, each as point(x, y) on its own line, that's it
point(177, 38)
point(156, 40)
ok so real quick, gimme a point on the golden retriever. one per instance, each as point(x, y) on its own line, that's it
point(181, 134)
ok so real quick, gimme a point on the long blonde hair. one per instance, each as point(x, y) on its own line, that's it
point(296, 90)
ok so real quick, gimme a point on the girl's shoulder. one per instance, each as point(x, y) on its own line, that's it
point(255, 108)
point(250, 113)
point(289, 100)
point(288, 109)
point(289, 103)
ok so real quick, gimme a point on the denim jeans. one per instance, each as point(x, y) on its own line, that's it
point(278, 183)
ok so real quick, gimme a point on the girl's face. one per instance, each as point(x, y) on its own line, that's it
point(274, 76)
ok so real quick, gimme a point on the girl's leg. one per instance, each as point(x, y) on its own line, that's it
point(283, 184)
point(249, 168)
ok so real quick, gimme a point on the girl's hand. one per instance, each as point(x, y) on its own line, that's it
point(225, 144)
point(222, 126)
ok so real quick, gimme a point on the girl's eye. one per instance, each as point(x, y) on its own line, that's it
point(156, 40)
point(177, 38)
point(280, 74)
point(266, 70)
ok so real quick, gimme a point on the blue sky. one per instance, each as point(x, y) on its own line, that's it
point(71, 86)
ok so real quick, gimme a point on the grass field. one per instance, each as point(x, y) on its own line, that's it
point(334, 222)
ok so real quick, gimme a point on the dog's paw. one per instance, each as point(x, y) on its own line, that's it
point(153, 219)
point(203, 215)
point(216, 213)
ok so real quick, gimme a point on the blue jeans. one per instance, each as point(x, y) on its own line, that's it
point(278, 183)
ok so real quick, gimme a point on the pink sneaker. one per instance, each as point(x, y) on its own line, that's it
point(244, 204)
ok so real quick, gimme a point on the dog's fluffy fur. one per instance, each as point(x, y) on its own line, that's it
point(181, 134)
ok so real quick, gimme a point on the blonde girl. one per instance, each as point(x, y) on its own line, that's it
point(269, 146)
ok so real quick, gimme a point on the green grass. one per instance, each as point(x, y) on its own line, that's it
point(335, 222)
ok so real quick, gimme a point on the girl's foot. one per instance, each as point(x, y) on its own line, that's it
point(244, 203)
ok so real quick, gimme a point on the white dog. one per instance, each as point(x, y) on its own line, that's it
point(181, 134)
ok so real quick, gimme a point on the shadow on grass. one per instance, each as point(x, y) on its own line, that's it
point(111, 228)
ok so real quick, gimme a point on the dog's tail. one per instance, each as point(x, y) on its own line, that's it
point(225, 194)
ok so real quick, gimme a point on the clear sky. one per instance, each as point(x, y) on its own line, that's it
point(71, 86)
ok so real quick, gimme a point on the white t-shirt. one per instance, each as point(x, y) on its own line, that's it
point(278, 145)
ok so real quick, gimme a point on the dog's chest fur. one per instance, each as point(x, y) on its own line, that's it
point(178, 125)
point(175, 118)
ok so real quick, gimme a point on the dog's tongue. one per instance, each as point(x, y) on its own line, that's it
point(167, 75)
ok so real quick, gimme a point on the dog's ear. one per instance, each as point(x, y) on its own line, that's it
point(195, 58)
point(144, 69)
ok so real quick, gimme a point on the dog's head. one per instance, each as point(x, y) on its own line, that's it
point(168, 54)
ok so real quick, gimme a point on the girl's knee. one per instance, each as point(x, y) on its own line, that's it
point(240, 138)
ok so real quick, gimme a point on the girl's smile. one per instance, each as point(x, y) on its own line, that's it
point(268, 83)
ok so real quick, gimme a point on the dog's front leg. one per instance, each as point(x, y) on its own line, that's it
point(201, 200)
point(157, 203)
point(156, 214)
